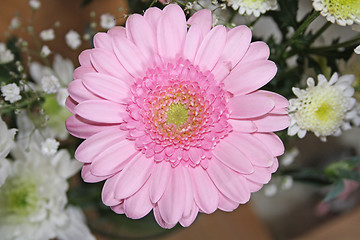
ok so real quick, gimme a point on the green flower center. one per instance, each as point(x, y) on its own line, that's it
point(177, 114)
point(347, 9)
point(19, 197)
point(324, 112)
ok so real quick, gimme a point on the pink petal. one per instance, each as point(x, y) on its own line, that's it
point(171, 204)
point(80, 71)
point(193, 40)
point(153, 15)
point(226, 204)
point(133, 176)
point(189, 197)
point(205, 193)
point(171, 32)
point(108, 191)
point(246, 126)
point(159, 180)
point(248, 77)
point(139, 204)
point(232, 157)
point(272, 122)
point(195, 155)
point(84, 58)
point(130, 57)
point(260, 175)
point(272, 142)
point(254, 187)
point(281, 103)
point(237, 43)
point(211, 48)
point(119, 209)
point(230, 183)
point(95, 144)
point(82, 128)
point(252, 148)
point(114, 158)
point(70, 104)
point(107, 87)
point(117, 32)
point(275, 166)
point(79, 93)
point(256, 51)
point(102, 111)
point(190, 218)
point(141, 33)
point(249, 106)
point(160, 220)
point(106, 62)
point(88, 177)
point(203, 18)
point(102, 40)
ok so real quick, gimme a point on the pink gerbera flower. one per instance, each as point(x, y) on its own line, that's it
point(172, 117)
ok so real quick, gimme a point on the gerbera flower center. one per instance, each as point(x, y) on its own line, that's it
point(177, 114)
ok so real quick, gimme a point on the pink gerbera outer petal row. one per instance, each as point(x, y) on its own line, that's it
point(121, 96)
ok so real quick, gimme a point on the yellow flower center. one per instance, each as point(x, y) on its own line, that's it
point(346, 9)
point(322, 110)
point(177, 114)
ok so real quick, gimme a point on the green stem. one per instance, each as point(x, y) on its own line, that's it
point(320, 31)
point(11, 107)
point(299, 31)
point(351, 42)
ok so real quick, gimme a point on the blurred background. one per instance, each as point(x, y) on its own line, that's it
point(297, 213)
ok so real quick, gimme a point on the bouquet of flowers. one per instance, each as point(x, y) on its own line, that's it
point(175, 112)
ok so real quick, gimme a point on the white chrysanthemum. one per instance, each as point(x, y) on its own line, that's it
point(73, 39)
point(50, 84)
point(344, 12)
point(255, 7)
point(6, 144)
point(45, 51)
point(33, 197)
point(34, 4)
point(324, 109)
point(11, 92)
point(47, 35)
point(107, 21)
point(6, 55)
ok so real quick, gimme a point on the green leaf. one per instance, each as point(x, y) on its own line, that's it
point(335, 191)
point(352, 175)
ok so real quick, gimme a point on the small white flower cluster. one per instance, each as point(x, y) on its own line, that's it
point(15, 23)
point(45, 51)
point(107, 21)
point(253, 7)
point(6, 55)
point(47, 35)
point(325, 109)
point(73, 39)
point(283, 183)
point(33, 197)
point(11, 92)
point(34, 4)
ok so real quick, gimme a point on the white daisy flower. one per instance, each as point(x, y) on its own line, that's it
point(11, 92)
point(324, 109)
point(107, 21)
point(340, 11)
point(47, 35)
point(255, 7)
point(73, 39)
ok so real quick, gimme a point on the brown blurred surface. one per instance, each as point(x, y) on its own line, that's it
point(69, 13)
point(343, 227)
